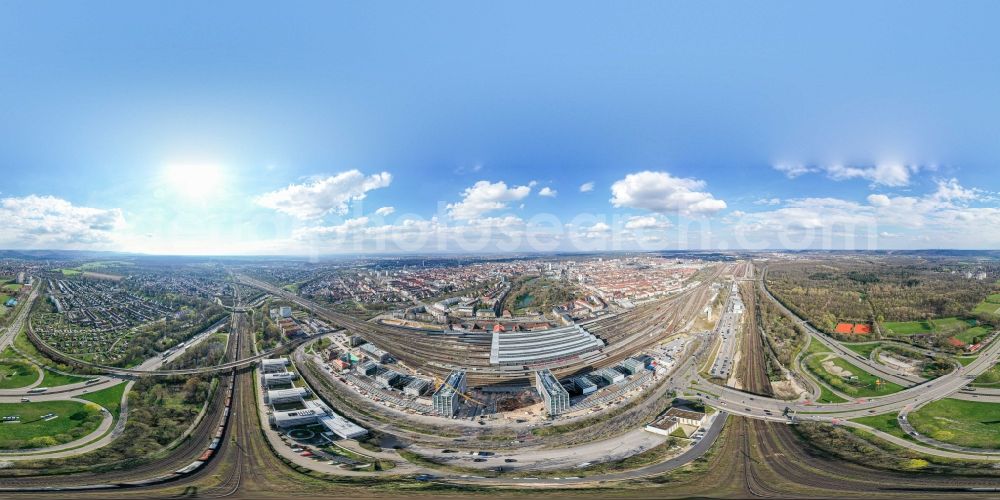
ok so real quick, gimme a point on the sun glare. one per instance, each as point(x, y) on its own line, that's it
point(193, 180)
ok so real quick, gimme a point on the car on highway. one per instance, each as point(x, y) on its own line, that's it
point(449, 451)
point(510, 460)
point(478, 459)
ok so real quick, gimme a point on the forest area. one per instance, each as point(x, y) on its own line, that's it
point(876, 290)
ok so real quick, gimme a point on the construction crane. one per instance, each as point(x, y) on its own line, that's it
point(438, 381)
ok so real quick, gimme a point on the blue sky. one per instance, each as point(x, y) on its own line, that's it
point(180, 127)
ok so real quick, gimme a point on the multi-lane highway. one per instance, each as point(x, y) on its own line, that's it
point(7, 337)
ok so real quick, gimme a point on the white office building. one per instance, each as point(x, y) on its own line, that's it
point(273, 365)
point(294, 394)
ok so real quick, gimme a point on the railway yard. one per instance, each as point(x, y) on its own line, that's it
point(296, 396)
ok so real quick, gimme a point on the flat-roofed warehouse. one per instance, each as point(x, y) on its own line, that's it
point(292, 395)
point(610, 375)
point(273, 365)
point(416, 387)
point(686, 417)
point(367, 368)
point(375, 353)
point(294, 418)
point(281, 378)
point(387, 377)
point(664, 426)
point(632, 365)
point(585, 385)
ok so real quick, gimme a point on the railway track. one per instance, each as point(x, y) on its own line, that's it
point(753, 365)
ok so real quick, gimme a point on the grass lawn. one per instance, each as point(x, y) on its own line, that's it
point(827, 396)
point(71, 272)
point(863, 385)
point(12, 287)
point(887, 423)
point(53, 379)
point(16, 373)
point(74, 421)
point(990, 377)
point(965, 423)
point(3, 300)
point(862, 349)
point(816, 346)
point(990, 305)
point(110, 398)
point(907, 327)
point(976, 331)
point(965, 360)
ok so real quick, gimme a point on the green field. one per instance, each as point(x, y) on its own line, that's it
point(862, 349)
point(990, 377)
point(110, 398)
point(965, 360)
point(816, 346)
point(827, 396)
point(990, 305)
point(12, 287)
point(907, 327)
point(952, 324)
point(74, 421)
point(887, 423)
point(965, 423)
point(53, 379)
point(863, 384)
point(15, 373)
point(969, 335)
point(70, 272)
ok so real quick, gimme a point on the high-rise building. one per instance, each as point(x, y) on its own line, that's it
point(446, 399)
point(553, 394)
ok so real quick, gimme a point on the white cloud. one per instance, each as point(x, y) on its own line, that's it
point(586, 187)
point(879, 200)
point(484, 197)
point(882, 174)
point(646, 222)
point(793, 170)
point(49, 222)
point(885, 174)
point(323, 196)
point(942, 218)
point(598, 227)
point(385, 211)
point(809, 214)
point(547, 191)
point(347, 228)
point(663, 193)
point(768, 201)
point(598, 230)
point(951, 190)
point(507, 222)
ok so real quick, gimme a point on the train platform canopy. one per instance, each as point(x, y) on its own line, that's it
point(541, 348)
